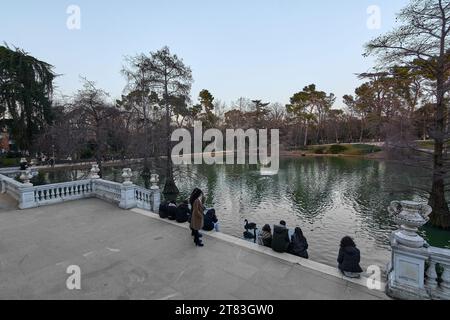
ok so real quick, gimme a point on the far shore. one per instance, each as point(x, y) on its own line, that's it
point(381, 155)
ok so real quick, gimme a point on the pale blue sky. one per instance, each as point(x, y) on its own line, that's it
point(250, 48)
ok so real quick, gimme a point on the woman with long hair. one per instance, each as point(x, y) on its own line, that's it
point(265, 236)
point(299, 244)
point(197, 220)
point(349, 258)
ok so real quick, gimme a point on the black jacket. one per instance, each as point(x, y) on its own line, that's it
point(163, 211)
point(171, 212)
point(299, 247)
point(348, 259)
point(183, 213)
point(210, 220)
point(280, 239)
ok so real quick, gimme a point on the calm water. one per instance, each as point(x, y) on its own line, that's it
point(327, 197)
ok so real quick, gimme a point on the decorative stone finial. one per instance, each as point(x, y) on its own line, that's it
point(26, 176)
point(154, 181)
point(127, 175)
point(410, 216)
point(94, 171)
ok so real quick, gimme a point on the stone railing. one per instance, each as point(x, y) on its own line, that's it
point(125, 195)
point(60, 192)
point(437, 280)
point(107, 190)
point(417, 270)
point(11, 187)
point(144, 198)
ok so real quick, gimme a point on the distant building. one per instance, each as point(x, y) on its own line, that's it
point(5, 142)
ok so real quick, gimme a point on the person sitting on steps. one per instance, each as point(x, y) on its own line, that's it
point(163, 214)
point(299, 244)
point(172, 210)
point(183, 212)
point(211, 221)
point(265, 236)
point(280, 239)
point(349, 258)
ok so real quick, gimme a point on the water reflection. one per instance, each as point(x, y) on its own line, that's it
point(328, 197)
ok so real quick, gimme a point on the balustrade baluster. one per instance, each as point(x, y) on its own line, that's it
point(446, 277)
point(432, 276)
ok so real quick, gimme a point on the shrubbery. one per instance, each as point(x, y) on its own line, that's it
point(337, 149)
point(319, 150)
point(9, 162)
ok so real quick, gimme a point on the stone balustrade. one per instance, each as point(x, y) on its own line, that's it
point(126, 195)
point(107, 190)
point(10, 186)
point(60, 192)
point(437, 279)
point(417, 270)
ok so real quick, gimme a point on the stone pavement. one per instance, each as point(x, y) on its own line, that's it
point(127, 255)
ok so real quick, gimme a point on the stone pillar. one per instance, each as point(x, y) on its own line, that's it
point(156, 194)
point(127, 197)
point(26, 198)
point(406, 279)
point(127, 190)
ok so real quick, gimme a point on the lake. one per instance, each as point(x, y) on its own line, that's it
point(328, 197)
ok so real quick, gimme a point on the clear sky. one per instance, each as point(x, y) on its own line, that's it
point(259, 49)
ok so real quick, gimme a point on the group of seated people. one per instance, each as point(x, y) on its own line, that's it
point(280, 242)
point(182, 214)
point(348, 258)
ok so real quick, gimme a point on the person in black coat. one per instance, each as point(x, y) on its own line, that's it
point(210, 220)
point(183, 212)
point(163, 214)
point(280, 239)
point(299, 244)
point(349, 258)
point(172, 210)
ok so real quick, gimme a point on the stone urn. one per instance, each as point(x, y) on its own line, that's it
point(154, 180)
point(23, 164)
point(127, 175)
point(410, 216)
point(26, 176)
point(95, 171)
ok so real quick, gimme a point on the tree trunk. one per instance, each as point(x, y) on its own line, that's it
point(441, 214)
point(361, 137)
point(306, 134)
point(170, 188)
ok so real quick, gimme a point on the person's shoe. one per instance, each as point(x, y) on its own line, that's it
point(199, 244)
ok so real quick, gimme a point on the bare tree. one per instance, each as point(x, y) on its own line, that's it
point(171, 80)
point(422, 43)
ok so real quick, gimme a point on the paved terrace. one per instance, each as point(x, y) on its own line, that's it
point(133, 255)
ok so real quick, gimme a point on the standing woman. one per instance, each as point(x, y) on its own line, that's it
point(196, 200)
